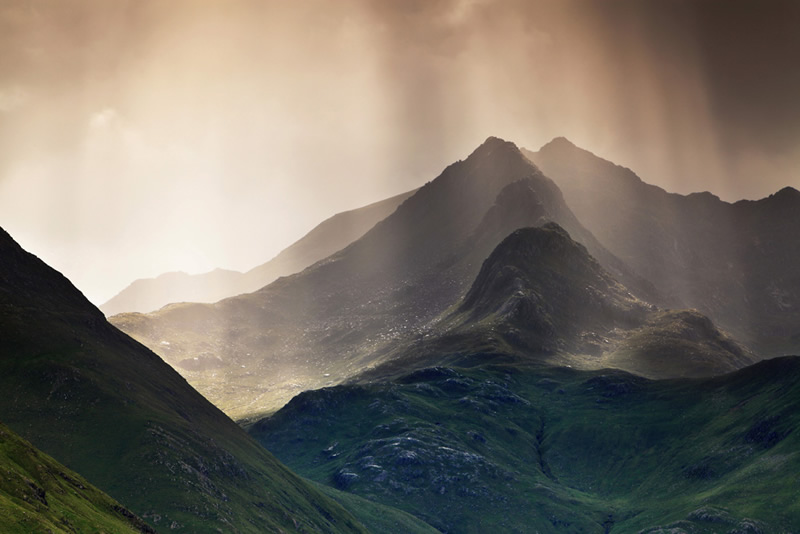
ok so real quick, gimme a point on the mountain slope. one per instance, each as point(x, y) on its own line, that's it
point(252, 353)
point(323, 240)
point(540, 297)
point(37, 494)
point(521, 448)
point(109, 408)
point(733, 262)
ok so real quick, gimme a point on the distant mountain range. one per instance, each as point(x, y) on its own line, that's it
point(329, 236)
point(358, 308)
point(734, 262)
point(107, 407)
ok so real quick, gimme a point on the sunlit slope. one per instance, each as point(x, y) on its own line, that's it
point(329, 236)
point(110, 409)
point(519, 448)
point(734, 262)
point(540, 297)
point(252, 353)
point(37, 494)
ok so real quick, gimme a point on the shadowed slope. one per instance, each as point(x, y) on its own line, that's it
point(109, 408)
point(37, 494)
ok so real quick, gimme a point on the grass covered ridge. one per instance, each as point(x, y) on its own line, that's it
point(517, 448)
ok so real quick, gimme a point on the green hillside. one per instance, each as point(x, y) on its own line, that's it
point(37, 494)
point(113, 411)
point(519, 448)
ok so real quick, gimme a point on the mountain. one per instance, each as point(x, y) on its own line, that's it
point(105, 406)
point(540, 297)
point(526, 448)
point(251, 353)
point(328, 237)
point(37, 494)
point(733, 262)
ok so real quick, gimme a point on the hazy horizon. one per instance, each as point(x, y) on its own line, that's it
point(144, 137)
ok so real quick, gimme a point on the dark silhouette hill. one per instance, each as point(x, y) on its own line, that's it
point(107, 407)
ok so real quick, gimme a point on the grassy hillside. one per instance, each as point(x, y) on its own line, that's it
point(518, 448)
point(110, 409)
point(378, 518)
point(39, 495)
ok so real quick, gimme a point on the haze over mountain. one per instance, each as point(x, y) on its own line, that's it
point(146, 137)
point(110, 409)
point(734, 262)
point(326, 238)
point(541, 298)
point(253, 352)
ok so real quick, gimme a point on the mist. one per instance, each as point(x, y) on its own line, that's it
point(139, 137)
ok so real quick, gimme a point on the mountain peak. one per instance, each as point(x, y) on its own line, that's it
point(788, 192)
point(493, 146)
point(545, 288)
point(560, 141)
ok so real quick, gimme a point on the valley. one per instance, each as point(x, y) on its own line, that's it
point(476, 360)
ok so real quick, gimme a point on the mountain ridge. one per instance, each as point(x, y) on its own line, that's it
point(314, 328)
point(729, 260)
point(107, 407)
point(332, 234)
point(540, 297)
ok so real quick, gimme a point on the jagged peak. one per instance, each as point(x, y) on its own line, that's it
point(548, 233)
point(559, 143)
point(493, 145)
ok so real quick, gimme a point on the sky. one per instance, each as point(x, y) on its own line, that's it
point(139, 137)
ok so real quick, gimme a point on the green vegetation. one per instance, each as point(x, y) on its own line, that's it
point(378, 518)
point(37, 494)
point(520, 448)
point(113, 411)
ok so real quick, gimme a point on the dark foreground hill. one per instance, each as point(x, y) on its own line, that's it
point(37, 494)
point(329, 236)
point(107, 407)
point(734, 262)
point(252, 353)
point(523, 448)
